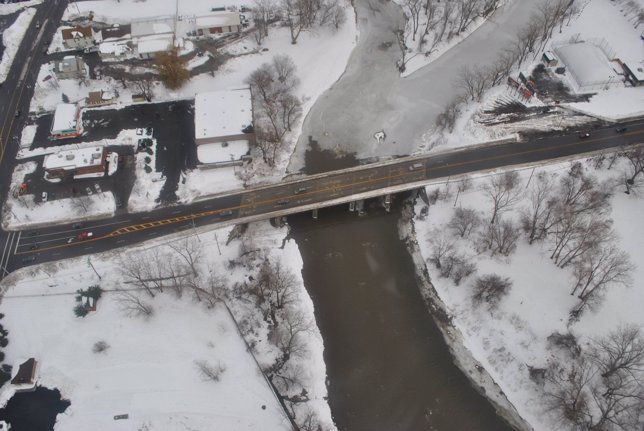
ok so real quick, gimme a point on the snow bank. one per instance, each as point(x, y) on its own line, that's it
point(12, 38)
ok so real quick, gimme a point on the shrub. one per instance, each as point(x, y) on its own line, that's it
point(491, 288)
point(100, 346)
point(147, 169)
point(147, 160)
point(81, 310)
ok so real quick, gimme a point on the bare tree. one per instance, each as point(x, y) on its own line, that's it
point(567, 392)
point(190, 249)
point(503, 191)
point(295, 15)
point(526, 39)
point(604, 267)
point(536, 216)
point(263, 10)
point(490, 289)
point(473, 81)
point(621, 352)
point(274, 289)
point(132, 305)
point(285, 68)
point(464, 221)
point(446, 120)
point(442, 246)
point(412, 9)
point(500, 237)
point(83, 203)
point(143, 84)
point(636, 164)
point(210, 371)
point(468, 11)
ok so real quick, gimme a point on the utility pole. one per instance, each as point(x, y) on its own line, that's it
point(89, 262)
point(217, 242)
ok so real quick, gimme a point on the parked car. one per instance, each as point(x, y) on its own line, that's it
point(97, 188)
point(89, 191)
point(620, 129)
point(85, 235)
point(77, 225)
point(584, 135)
point(44, 196)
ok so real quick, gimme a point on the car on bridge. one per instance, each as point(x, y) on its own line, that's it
point(584, 135)
point(85, 235)
point(620, 129)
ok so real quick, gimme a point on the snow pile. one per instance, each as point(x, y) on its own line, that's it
point(128, 10)
point(201, 183)
point(148, 367)
point(149, 182)
point(9, 8)
point(512, 337)
point(12, 38)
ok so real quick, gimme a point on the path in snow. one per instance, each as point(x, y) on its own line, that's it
point(371, 96)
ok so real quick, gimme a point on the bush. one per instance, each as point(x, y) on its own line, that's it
point(100, 347)
point(566, 342)
point(149, 150)
point(81, 310)
point(4, 342)
point(147, 160)
point(209, 371)
point(94, 292)
point(147, 169)
point(491, 288)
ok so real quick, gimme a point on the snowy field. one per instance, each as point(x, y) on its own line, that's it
point(12, 38)
point(149, 368)
point(6, 9)
point(509, 338)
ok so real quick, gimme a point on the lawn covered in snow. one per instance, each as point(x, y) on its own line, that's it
point(509, 338)
point(117, 361)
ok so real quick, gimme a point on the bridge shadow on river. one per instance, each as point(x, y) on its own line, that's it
point(388, 366)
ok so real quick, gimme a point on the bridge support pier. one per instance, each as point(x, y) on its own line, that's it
point(360, 207)
point(314, 213)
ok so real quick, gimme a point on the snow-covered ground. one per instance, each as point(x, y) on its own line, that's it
point(6, 9)
point(149, 368)
point(11, 39)
point(514, 336)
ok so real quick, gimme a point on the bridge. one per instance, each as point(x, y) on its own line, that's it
point(304, 193)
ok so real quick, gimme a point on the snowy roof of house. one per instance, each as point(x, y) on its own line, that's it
point(156, 43)
point(69, 64)
point(116, 47)
point(76, 32)
point(636, 67)
point(222, 19)
point(219, 152)
point(222, 113)
point(146, 28)
point(72, 159)
point(64, 117)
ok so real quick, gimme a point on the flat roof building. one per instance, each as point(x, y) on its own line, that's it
point(223, 125)
point(83, 162)
point(66, 122)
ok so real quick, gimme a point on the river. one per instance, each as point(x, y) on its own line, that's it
point(388, 366)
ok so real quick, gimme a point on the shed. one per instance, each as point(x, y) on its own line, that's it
point(549, 59)
point(26, 373)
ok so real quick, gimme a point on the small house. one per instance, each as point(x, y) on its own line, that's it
point(78, 37)
point(548, 58)
point(26, 374)
point(218, 23)
point(66, 122)
point(70, 67)
point(150, 46)
point(634, 73)
point(99, 98)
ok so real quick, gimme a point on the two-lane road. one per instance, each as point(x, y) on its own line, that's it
point(59, 242)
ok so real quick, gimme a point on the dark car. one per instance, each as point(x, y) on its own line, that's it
point(32, 233)
point(77, 225)
point(18, 112)
point(34, 246)
point(28, 259)
point(620, 129)
point(584, 135)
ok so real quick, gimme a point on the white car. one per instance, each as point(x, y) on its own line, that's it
point(44, 196)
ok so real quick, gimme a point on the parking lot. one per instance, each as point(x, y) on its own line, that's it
point(172, 125)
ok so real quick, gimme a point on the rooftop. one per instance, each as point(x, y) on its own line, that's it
point(156, 43)
point(73, 159)
point(222, 113)
point(221, 19)
point(64, 117)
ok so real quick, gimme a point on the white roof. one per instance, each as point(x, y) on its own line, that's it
point(587, 63)
point(217, 152)
point(154, 44)
point(117, 48)
point(635, 66)
point(72, 159)
point(221, 19)
point(145, 28)
point(64, 117)
point(222, 113)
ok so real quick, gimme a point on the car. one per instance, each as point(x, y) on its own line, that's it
point(37, 25)
point(620, 129)
point(77, 225)
point(415, 166)
point(34, 246)
point(89, 191)
point(18, 112)
point(28, 259)
point(118, 202)
point(32, 233)
point(584, 135)
point(44, 196)
point(282, 202)
point(97, 188)
point(85, 235)
point(301, 190)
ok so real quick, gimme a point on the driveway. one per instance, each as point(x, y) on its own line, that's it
point(371, 96)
